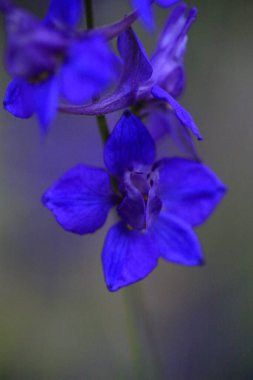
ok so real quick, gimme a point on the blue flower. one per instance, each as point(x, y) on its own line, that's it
point(50, 59)
point(158, 204)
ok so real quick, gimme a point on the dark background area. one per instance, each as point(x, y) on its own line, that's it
point(57, 319)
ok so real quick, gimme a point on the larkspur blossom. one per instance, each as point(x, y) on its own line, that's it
point(48, 59)
point(158, 204)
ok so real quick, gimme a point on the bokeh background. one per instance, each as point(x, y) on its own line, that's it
point(57, 319)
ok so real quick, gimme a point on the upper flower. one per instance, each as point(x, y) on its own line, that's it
point(158, 203)
point(49, 59)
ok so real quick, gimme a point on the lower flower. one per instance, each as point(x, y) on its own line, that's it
point(159, 203)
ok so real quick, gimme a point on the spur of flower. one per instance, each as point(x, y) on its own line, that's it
point(158, 203)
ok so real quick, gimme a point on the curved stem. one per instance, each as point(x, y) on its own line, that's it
point(134, 303)
point(146, 359)
point(148, 328)
point(101, 120)
point(133, 335)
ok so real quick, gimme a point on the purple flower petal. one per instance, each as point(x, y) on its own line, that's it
point(163, 122)
point(130, 143)
point(175, 80)
point(146, 14)
point(182, 114)
point(128, 256)
point(167, 60)
point(176, 241)
point(132, 210)
point(66, 12)
point(145, 9)
point(136, 65)
point(177, 26)
point(154, 206)
point(136, 70)
point(111, 103)
point(181, 136)
point(46, 96)
point(19, 99)
point(188, 189)
point(32, 47)
point(166, 3)
point(81, 199)
point(156, 120)
point(88, 70)
point(5, 6)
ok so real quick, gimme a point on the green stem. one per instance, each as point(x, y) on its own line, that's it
point(89, 14)
point(133, 335)
point(147, 325)
point(141, 336)
point(103, 128)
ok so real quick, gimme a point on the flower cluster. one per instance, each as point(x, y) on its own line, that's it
point(158, 202)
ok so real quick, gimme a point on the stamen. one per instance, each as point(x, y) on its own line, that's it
point(43, 76)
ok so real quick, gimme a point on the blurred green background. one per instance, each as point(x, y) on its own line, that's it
point(57, 319)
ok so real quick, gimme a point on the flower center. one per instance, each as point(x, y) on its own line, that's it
point(140, 205)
